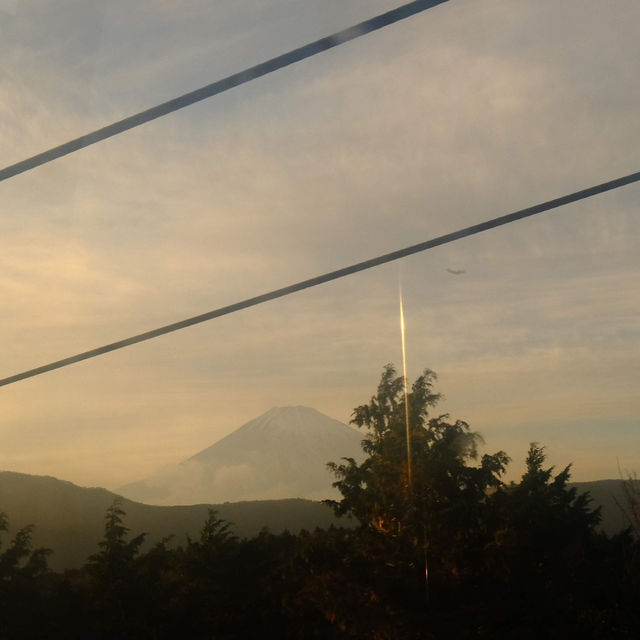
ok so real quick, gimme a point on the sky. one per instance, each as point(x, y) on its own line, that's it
point(467, 111)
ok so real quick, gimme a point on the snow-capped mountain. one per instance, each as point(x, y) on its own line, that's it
point(281, 454)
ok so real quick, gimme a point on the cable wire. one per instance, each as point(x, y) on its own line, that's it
point(332, 275)
point(220, 86)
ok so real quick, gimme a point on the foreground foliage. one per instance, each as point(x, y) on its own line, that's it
point(511, 560)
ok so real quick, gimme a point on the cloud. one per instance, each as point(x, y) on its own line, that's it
point(431, 125)
point(9, 6)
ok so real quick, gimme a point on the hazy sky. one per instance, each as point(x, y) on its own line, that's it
point(467, 111)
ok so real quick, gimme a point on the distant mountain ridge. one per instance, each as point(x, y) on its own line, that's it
point(70, 519)
point(281, 454)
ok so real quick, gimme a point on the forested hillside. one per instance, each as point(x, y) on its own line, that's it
point(69, 519)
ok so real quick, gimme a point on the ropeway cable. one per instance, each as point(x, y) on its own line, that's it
point(220, 86)
point(332, 275)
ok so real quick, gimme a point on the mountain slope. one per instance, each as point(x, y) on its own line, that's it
point(608, 494)
point(281, 454)
point(70, 520)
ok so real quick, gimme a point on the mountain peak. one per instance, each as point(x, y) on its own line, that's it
point(290, 412)
point(282, 453)
point(289, 428)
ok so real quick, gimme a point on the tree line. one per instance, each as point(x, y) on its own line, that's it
point(443, 548)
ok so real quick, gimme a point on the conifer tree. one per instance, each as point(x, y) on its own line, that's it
point(440, 508)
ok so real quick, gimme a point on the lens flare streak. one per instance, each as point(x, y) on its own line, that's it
point(406, 393)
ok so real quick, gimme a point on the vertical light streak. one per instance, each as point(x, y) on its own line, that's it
point(406, 393)
point(408, 425)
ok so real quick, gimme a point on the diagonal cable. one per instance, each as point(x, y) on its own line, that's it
point(237, 79)
point(332, 275)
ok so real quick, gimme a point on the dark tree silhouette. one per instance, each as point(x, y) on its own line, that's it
point(115, 584)
point(20, 559)
point(113, 564)
point(23, 570)
point(441, 510)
